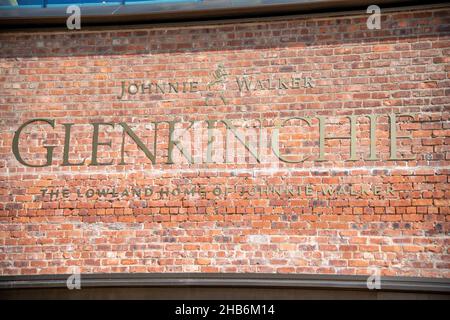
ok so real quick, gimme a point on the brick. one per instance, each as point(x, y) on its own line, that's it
point(391, 214)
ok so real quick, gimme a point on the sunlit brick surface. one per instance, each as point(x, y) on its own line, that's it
point(392, 214)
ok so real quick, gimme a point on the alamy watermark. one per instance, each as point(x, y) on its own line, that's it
point(74, 280)
point(73, 22)
point(374, 280)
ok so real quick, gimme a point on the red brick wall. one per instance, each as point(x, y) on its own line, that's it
point(75, 77)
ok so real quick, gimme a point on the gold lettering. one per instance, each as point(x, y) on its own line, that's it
point(139, 143)
point(96, 143)
point(394, 136)
point(16, 139)
point(323, 137)
point(66, 161)
point(276, 142)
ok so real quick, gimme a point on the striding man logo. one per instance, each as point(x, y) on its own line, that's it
point(217, 84)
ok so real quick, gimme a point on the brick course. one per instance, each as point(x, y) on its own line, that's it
point(76, 77)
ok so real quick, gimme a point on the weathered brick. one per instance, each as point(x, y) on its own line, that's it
point(394, 215)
